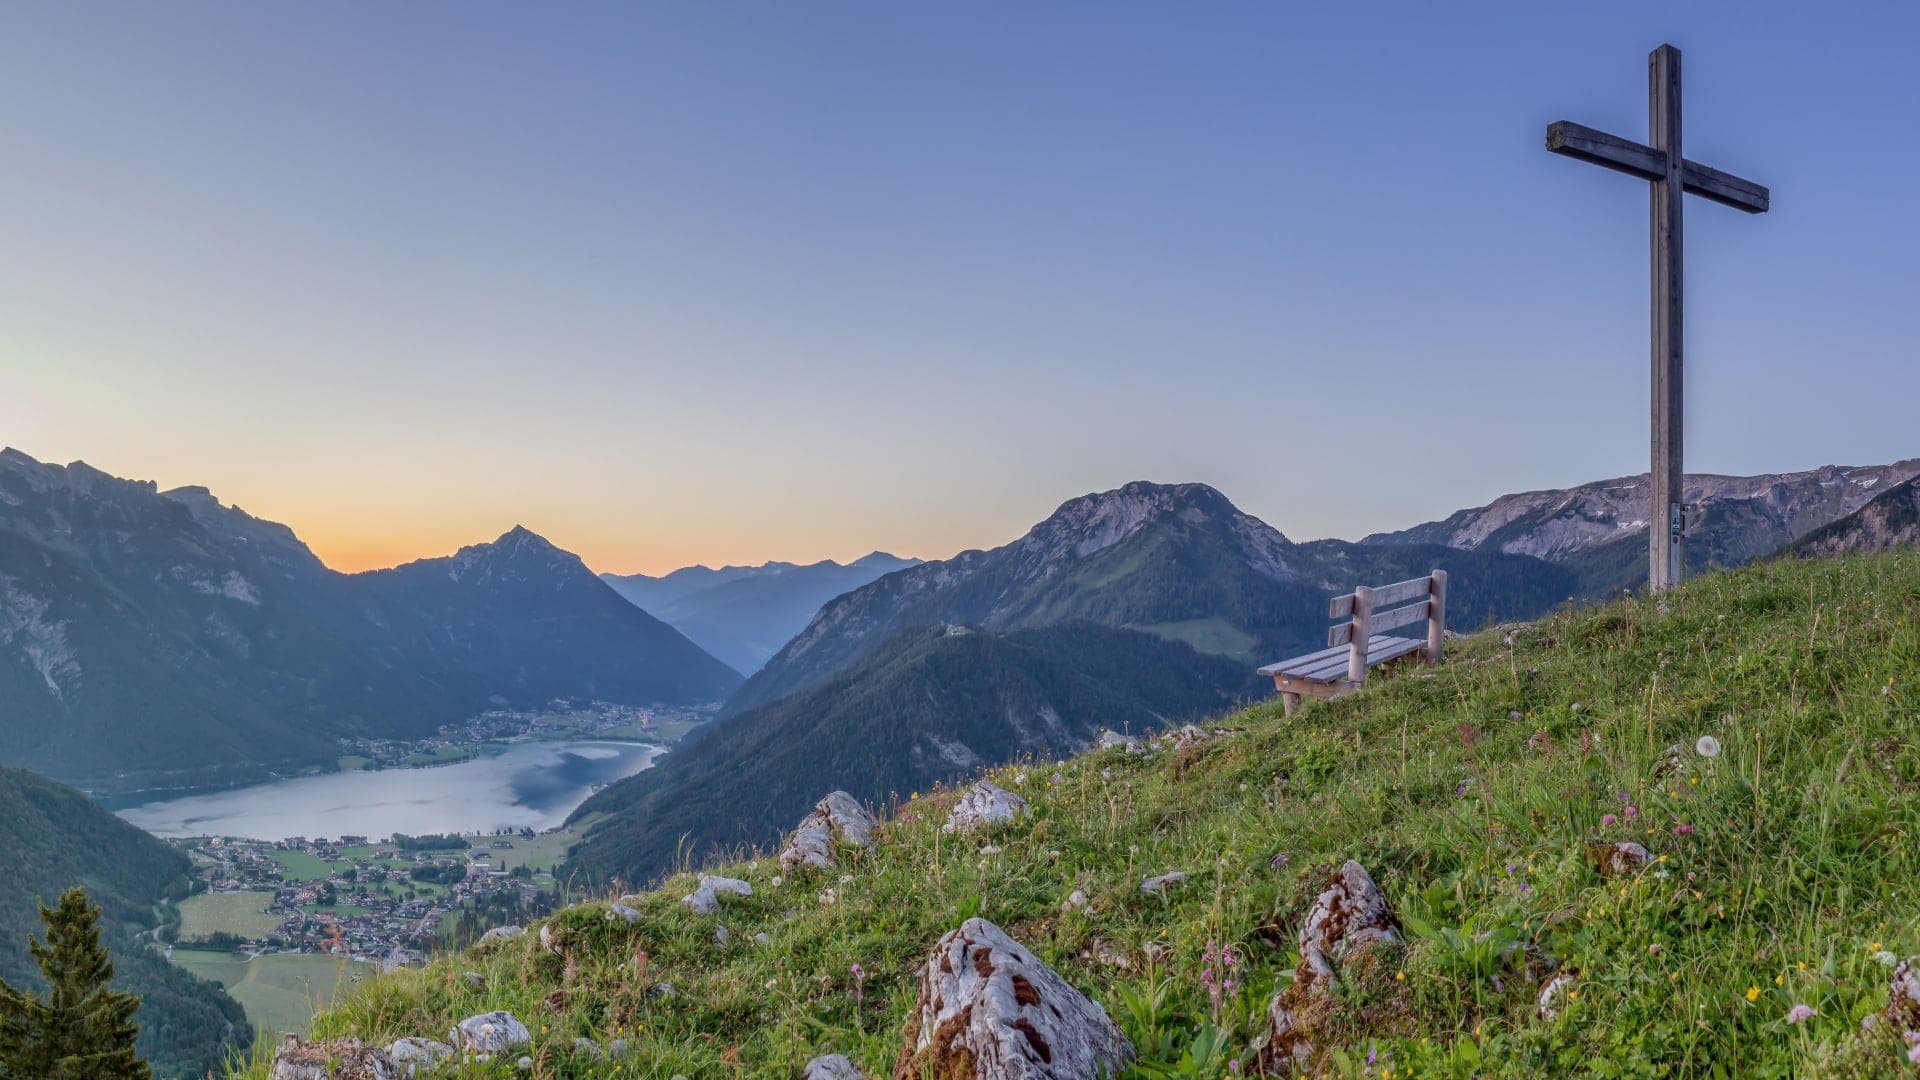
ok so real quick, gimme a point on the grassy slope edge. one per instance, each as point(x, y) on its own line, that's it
point(1471, 793)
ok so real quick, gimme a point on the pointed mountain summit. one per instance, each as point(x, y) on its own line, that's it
point(1176, 560)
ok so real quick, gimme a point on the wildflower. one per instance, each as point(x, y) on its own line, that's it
point(1799, 1014)
point(1876, 947)
point(1753, 993)
point(1707, 747)
point(1779, 980)
point(1683, 830)
point(1608, 819)
point(1633, 811)
point(1913, 1055)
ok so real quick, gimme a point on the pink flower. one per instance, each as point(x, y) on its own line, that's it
point(1799, 1014)
point(1683, 830)
point(1633, 811)
point(1607, 819)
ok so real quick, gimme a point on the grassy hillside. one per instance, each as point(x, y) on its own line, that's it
point(931, 706)
point(1785, 869)
point(51, 838)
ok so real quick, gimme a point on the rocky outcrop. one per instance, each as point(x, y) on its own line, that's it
point(984, 806)
point(331, 1059)
point(832, 1067)
point(705, 900)
point(989, 1008)
point(1111, 739)
point(1903, 997)
point(838, 817)
point(490, 1033)
point(1157, 885)
point(1348, 918)
point(498, 936)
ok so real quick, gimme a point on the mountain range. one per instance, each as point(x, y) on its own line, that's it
point(1177, 563)
point(162, 639)
point(1891, 520)
point(743, 614)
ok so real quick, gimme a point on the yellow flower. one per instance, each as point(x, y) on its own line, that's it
point(1694, 780)
point(1400, 976)
point(1779, 980)
point(1875, 947)
point(1753, 993)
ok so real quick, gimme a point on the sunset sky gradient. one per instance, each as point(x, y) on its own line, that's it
point(718, 282)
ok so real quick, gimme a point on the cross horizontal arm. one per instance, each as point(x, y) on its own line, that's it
point(1637, 159)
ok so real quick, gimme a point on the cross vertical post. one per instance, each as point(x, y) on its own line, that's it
point(1671, 177)
point(1667, 523)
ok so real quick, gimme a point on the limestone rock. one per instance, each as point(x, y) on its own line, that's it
point(474, 980)
point(1549, 1002)
point(989, 1008)
point(705, 899)
point(414, 1054)
point(1110, 739)
point(624, 913)
point(1613, 860)
point(1903, 997)
point(1188, 737)
point(499, 935)
point(832, 1067)
point(331, 1059)
point(840, 817)
point(1349, 915)
point(1157, 885)
point(490, 1033)
point(984, 806)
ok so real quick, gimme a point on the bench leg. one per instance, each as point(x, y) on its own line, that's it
point(1289, 701)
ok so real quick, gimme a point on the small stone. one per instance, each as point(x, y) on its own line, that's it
point(1548, 1004)
point(331, 1059)
point(1110, 739)
point(1613, 860)
point(617, 1049)
point(705, 900)
point(415, 1053)
point(624, 913)
point(1157, 886)
point(500, 934)
point(1279, 861)
point(489, 1033)
point(1188, 737)
point(838, 817)
point(1903, 997)
point(831, 1067)
point(1076, 900)
point(721, 936)
point(984, 806)
point(548, 939)
point(475, 980)
point(586, 1047)
point(761, 938)
point(660, 991)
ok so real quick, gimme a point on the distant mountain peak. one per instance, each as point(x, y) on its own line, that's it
point(520, 554)
point(1093, 523)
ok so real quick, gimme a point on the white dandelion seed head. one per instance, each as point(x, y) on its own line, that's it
point(1885, 958)
point(1707, 747)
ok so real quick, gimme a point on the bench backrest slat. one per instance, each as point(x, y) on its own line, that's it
point(1381, 620)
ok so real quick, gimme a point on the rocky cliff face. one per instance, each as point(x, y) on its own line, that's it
point(1741, 516)
point(1891, 520)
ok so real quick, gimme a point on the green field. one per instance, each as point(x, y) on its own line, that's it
point(543, 852)
point(280, 991)
point(241, 913)
point(301, 866)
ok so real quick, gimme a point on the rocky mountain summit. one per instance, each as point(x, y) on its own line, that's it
point(1891, 521)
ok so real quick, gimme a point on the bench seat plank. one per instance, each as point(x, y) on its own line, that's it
point(1330, 665)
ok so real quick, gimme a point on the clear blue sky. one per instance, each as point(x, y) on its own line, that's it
point(721, 282)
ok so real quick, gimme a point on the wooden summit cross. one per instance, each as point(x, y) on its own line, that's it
point(1670, 176)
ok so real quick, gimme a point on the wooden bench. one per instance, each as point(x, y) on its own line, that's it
point(1358, 644)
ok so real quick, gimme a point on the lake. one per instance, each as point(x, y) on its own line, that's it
point(523, 785)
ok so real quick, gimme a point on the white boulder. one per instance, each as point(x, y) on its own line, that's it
point(989, 1008)
point(839, 817)
point(490, 1033)
point(984, 806)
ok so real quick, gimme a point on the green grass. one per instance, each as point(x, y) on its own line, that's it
point(241, 913)
point(279, 991)
point(1800, 865)
point(543, 852)
point(354, 762)
point(1216, 636)
point(301, 866)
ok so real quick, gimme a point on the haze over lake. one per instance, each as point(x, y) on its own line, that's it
point(528, 785)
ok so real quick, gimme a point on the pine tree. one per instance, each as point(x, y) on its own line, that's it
point(80, 1029)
